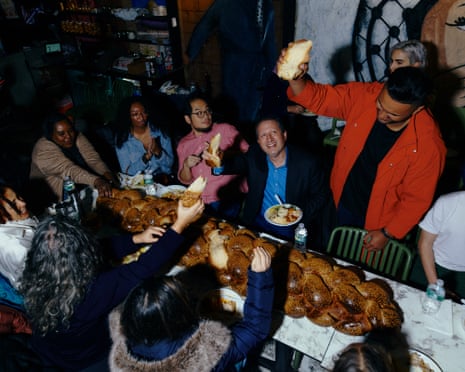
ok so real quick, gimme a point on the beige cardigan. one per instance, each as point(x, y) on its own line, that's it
point(49, 163)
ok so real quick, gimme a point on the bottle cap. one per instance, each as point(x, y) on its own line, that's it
point(148, 178)
point(217, 171)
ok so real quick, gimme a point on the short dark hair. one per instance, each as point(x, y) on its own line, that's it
point(159, 308)
point(273, 118)
point(187, 108)
point(409, 85)
point(48, 125)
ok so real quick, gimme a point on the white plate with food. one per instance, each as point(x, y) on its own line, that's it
point(420, 362)
point(222, 304)
point(171, 192)
point(283, 214)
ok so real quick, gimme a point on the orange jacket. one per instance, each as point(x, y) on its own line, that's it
point(406, 179)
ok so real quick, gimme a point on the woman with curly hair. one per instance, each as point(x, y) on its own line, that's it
point(69, 292)
point(140, 144)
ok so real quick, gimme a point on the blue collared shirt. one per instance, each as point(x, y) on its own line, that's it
point(275, 184)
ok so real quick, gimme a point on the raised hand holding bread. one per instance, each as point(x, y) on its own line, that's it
point(297, 53)
point(187, 215)
point(193, 192)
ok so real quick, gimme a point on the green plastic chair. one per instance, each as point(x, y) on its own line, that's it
point(395, 259)
point(332, 137)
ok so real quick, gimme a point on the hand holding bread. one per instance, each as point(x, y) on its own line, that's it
point(213, 154)
point(291, 59)
point(187, 215)
point(193, 192)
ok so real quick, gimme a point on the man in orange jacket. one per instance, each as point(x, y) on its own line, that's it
point(390, 155)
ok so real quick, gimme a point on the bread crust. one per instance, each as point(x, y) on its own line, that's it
point(193, 192)
point(297, 52)
point(214, 150)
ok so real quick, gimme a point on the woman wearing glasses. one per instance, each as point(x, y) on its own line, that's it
point(221, 193)
point(140, 145)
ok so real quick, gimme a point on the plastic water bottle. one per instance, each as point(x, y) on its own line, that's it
point(300, 237)
point(433, 297)
point(150, 188)
point(68, 187)
point(71, 200)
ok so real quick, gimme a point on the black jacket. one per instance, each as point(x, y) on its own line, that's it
point(307, 183)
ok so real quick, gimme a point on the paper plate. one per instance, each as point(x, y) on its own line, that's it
point(222, 304)
point(170, 192)
point(420, 362)
point(283, 215)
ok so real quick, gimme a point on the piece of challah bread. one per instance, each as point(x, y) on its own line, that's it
point(214, 150)
point(193, 192)
point(297, 52)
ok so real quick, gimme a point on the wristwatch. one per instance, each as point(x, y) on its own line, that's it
point(386, 234)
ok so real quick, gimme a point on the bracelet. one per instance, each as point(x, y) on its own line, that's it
point(386, 234)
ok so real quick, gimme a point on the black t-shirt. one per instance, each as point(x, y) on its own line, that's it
point(357, 189)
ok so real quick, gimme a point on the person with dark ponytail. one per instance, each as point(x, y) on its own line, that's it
point(158, 328)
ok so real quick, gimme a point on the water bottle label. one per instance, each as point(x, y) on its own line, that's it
point(300, 239)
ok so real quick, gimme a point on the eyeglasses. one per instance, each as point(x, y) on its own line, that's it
point(201, 114)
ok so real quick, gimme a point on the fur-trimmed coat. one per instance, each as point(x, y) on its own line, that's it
point(212, 347)
point(201, 352)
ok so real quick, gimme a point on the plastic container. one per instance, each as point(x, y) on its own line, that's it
point(300, 237)
point(433, 297)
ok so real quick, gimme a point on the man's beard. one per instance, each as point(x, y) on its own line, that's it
point(204, 130)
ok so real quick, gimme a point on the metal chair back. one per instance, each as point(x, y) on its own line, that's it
point(395, 259)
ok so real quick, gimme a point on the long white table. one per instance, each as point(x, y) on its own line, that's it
point(440, 336)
